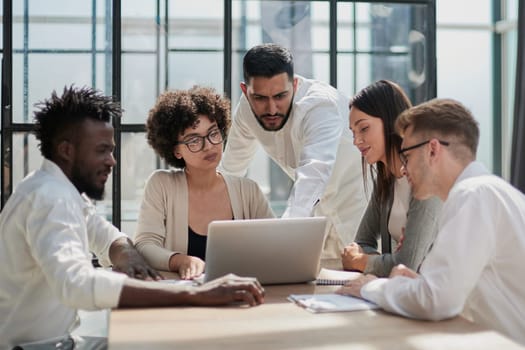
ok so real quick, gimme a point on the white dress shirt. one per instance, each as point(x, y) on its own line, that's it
point(314, 148)
point(47, 230)
point(475, 266)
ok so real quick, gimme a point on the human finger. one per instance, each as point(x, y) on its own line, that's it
point(250, 294)
point(183, 272)
point(244, 296)
point(352, 289)
point(143, 272)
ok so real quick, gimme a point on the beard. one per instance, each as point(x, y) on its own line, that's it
point(85, 183)
point(260, 118)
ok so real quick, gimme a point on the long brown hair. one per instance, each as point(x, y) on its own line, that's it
point(383, 99)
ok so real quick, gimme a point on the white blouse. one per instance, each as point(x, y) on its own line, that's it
point(398, 214)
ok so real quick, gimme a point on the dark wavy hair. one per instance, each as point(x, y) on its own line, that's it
point(267, 60)
point(58, 117)
point(383, 99)
point(177, 110)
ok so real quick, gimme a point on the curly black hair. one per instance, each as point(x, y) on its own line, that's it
point(177, 110)
point(59, 115)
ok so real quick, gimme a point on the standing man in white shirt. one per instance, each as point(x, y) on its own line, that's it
point(302, 124)
point(475, 266)
point(48, 228)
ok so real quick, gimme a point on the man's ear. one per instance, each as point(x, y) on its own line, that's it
point(434, 147)
point(244, 88)
point(65, 151)
point(295, 80)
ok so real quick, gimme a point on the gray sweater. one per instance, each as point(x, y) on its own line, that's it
point(420, 231)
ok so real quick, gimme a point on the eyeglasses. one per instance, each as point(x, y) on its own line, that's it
point(403, 157)
point(196, 143)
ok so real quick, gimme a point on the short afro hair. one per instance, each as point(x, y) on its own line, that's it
point(177, 110)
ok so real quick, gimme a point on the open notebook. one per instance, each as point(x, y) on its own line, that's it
point(331, 302)
point(335, 277)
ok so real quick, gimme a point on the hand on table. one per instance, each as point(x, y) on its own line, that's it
point(229, 289)
point(188, 267)
point(354, 286)
point(127, 259)
point(354, 258)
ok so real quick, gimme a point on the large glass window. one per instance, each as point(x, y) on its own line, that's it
point(378, 40)
point(55, 43)
point(173, 44)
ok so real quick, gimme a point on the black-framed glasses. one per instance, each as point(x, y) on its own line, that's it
point(196, 143)
point(404, 159)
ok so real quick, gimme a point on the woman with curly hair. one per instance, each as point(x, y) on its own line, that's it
point(393, 214)
point(187, 128)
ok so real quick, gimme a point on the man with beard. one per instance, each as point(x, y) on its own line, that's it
point(303, 126)
point(474, 265)
point(49, 226)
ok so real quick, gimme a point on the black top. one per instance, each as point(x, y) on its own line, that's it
point(196, 244)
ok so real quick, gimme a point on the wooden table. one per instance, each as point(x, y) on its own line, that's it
point(280, 324)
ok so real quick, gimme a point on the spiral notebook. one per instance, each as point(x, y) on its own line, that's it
point(329, 277)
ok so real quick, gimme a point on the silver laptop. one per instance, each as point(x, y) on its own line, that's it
point(275, 251)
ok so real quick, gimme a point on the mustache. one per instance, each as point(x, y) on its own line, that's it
point(272, 115)
point(107, 170)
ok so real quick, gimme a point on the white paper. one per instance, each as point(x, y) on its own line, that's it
point(331, 302)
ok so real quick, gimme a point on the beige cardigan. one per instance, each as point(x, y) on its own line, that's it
point(163, 219)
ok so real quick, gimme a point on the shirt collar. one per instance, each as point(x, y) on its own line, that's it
point(54, 170)
point(475, 168)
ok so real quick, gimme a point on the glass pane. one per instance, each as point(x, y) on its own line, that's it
point(138, 87)
point(345, 74)
point(364, 71)
point(196, 68)
point(320, 66)
point(464, 12)
point(196, 24)
point(26, 156)
point(512, 9)
point(36, 78)
point(345, 26)
point(464, 54)
point(45, 59)
point(394, 38)
point(138, 162)
point(139, 25)
point(49, 20)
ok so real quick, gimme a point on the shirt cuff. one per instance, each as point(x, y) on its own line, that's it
point(370, 261)
point(108, 287)
point(104, 259)
point(373, 290)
